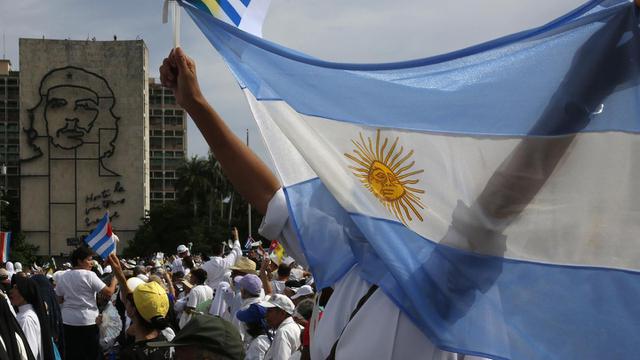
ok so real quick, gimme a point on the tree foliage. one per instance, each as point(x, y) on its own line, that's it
point(205, 209)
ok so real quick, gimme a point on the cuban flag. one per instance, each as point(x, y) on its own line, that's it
point(101, 240)
point(491, 192)
point(5, 245)
point(247, 15)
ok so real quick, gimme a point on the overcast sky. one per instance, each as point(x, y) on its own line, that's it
point(337, 30)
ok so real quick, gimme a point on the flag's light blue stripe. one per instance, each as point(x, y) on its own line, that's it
point(101, 242)
point(230, 11)
point(517, 309)
point(314, 207)
point(565, 74)
point(108, 251)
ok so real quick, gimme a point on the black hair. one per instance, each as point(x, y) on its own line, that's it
point(284, 270)
point(29, 290)
point(80, 253)
point(53, 309)
point(255, 329)
point(200, 275)
point(187, 262)
point(9, 330)
point(217, 248)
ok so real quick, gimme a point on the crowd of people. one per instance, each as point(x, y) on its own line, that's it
point(184, 306)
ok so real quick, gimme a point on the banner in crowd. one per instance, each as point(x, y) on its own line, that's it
point(101, 239)
point(489, 192)
point(5, 245)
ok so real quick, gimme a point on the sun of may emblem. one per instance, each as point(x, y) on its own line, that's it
point(388, 175)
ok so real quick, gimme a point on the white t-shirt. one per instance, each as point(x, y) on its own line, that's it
point(285, 341)
point(217, 267)
point(30, 326)
point(363, 336)
point(176, 266)
point(197, 295)
point(258, 348)
point(79, 287)
point(278, 286)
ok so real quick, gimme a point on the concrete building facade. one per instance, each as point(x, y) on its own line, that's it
point(84, 147)
point(168, 141)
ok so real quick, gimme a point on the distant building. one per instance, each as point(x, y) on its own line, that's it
point(9, 131)
point(168, 141)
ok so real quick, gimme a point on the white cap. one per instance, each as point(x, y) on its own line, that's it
point(304, 290)
point(17, 267)
point(182, 248)
point(288, 260)
point(279, 301)
point(132, 283)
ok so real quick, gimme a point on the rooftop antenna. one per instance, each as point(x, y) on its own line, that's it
point(4, 45)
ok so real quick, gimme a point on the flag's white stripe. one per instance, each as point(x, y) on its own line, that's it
point(98, 236)
point(239, 7)
point(568, 222)
point(104, 246)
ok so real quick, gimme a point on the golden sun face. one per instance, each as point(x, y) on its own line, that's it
point(381, 171)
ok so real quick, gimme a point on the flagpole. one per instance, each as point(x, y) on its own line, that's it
point(249, 208)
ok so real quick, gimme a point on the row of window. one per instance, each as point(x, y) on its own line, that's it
point(9, 81)
point(10, 148)
point(157, 100)
point(9, 103)
point(167, 132)
point(160, 112)
point(156, 195)
point(163, 174)
point(168, 120)
point(167, 154)
point(161, 91)
point(12, 94)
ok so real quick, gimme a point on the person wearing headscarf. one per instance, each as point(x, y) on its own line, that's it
point(32, 317)
point(53, 310)
point(13, 343)
point(10, 268)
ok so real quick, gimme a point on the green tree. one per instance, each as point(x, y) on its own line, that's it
point(194, 181)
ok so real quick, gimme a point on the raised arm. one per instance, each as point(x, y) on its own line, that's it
point(248, 174)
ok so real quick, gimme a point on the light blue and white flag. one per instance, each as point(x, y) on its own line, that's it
point(490, 192)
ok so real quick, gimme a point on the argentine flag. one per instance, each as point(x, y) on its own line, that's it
point(491, 192)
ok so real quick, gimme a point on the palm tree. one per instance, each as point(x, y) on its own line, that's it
point(194, 180)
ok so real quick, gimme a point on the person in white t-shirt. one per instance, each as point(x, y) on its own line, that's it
point(286, 337)
point(399, 338)
point(176, 265)
point(217, 267)
point(32, 317)
point(197, 295)
point(76, 290)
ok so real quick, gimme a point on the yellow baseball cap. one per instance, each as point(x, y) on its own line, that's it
point(151, 300)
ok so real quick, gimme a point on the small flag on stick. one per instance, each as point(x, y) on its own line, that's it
point(101, 238)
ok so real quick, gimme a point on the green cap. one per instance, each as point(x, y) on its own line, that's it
point(208, 332)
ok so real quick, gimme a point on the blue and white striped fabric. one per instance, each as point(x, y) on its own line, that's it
point(247, 15)
point(101, 238)
point(490, 192)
